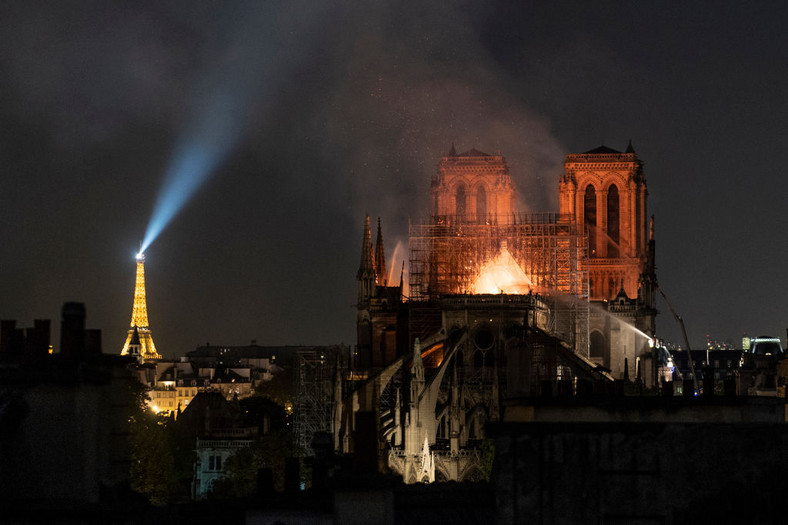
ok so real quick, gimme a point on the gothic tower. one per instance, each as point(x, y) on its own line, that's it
point(472, 187)
point(604, 191)
point(139, 333)
point(379, 308)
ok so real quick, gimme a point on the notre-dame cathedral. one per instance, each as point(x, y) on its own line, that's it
point(499, 304)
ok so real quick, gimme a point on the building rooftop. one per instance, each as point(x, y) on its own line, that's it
point(601, 149)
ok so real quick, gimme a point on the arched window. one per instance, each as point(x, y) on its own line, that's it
point(478, 359)
point(613, 222)
point(460, 196)
point(597, 345)
point(481, 205)
point(589, 217)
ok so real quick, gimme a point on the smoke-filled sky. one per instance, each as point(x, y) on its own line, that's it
point(315, 113)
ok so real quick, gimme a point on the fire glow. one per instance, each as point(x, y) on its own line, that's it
point(502, 275)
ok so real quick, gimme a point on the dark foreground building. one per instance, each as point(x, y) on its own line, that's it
point(642, 460)
point(63, 422)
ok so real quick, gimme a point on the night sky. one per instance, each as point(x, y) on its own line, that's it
point(321, 112)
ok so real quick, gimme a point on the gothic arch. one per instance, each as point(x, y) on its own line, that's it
point(596, 345)
point(472, 472)
point(613, 222)
point(590, 217)
point(460, 200)
point(481, 204)
point(441, 473)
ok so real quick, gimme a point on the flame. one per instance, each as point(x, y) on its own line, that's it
point(502, 275)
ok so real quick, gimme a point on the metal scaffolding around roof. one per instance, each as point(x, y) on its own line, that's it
point(447, 256)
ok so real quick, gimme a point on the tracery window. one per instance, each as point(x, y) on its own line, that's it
point(460, 196)
point(613, 222)
point(481, 205)
point(589, 218)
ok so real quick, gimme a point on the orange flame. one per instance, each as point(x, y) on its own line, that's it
point(502, 275)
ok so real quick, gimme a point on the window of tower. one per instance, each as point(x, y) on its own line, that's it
point(460, 201)
point(613, 222)
point(589, 218)
point(481, 205)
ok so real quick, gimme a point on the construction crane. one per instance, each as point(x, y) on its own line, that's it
point(684, 333)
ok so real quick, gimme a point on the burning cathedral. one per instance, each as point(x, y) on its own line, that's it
point(500, 305)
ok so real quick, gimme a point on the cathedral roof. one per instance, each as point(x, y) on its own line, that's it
point(601, 149)
point(473, 153)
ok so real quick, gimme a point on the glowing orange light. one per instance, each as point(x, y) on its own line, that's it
point(502, 275)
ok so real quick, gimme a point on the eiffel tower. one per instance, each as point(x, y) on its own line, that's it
point(139, 341)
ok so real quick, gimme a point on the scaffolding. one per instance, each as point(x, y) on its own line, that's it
point(447, 256)
point(313, 405)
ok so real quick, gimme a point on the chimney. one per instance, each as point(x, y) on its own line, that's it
point(72, 330)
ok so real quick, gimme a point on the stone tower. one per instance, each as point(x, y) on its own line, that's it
point(472, 187)
point(604, 191)
point(139, 332)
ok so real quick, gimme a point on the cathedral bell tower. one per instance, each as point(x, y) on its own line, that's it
point(604, 192)
point(472, 187)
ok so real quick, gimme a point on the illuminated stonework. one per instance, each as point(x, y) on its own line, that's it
point(472, 187)
point(139, 341)
point(604, 191)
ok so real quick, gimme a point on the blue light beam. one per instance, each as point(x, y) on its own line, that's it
point(243, 72)
point(190, 167)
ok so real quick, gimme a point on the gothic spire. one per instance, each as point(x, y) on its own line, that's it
point(366, 270)
point(135, 337)
point(452, 151)
point(630, 149)
point(367, 266)
point(380, 259)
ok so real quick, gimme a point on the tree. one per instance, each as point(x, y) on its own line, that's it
point(269, 451)
point(279, 388)
point(150, 450)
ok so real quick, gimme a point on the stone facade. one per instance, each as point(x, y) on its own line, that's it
point(605, 191)
point(472, 187)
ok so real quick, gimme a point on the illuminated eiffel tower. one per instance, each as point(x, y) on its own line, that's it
point(139, 341)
